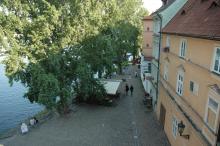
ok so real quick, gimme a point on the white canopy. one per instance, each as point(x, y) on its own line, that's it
point(111, 86)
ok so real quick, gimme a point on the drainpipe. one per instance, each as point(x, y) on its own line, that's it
point(158, 69)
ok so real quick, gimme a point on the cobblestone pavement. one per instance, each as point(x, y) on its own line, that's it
point(127, 124)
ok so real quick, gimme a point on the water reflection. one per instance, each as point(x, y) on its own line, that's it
point(13, 107)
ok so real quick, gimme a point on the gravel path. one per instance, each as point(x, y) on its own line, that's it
point(127, 124)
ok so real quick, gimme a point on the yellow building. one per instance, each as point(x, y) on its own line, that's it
point(189, 89)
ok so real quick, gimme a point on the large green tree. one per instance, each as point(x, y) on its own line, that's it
point(124, 40)
point(52, 44)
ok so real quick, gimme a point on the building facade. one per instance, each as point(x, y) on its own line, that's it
point(160, 19)
point(146, 52)
point(189, 99)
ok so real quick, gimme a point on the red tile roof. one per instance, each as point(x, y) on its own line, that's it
point(197, 18)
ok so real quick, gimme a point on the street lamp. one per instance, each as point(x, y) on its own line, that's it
point(181, 128)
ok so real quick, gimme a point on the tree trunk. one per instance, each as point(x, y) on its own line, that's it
point(63, 106)
point(134, 57)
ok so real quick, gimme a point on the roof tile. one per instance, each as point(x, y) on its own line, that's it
point(199, 20)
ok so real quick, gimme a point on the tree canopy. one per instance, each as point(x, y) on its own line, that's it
point(52, 46)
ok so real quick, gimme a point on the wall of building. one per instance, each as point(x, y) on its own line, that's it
point(166, 15)
point(147, 37)
point(146, 51)
point(144, 73)
point(196, 66)
point(172, 110)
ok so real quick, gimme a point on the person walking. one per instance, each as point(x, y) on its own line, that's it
point(126, 89)
point(136, 74)
point(131, 89)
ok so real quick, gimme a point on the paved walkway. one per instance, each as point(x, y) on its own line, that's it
point(127, 124)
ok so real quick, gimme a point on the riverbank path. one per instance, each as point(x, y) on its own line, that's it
point(127, 124)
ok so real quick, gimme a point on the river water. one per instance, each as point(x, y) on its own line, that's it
point(14, 108)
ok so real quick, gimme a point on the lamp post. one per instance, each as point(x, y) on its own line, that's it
point(181, 128)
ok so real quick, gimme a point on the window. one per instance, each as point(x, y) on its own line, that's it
point(179, 85)
point(168, 41)
point(183, 46)
point(174, 127)
point(149, 67)
point(165, 75)
point(213, 104)
point(194, 88)
point(217, 61)
point(191, 86)
point(211, 113)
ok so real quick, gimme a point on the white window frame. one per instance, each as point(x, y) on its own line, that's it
point(166, 72)
point(214, 59)
point(215, 111)
point(174, 126)
point(195, 88)
point(168, 41)
point(182, 50)
point(180, 83)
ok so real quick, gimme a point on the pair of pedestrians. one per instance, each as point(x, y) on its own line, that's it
point(127, 89)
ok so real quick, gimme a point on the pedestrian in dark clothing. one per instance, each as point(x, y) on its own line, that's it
point(126, 89)
point(131, 89)
point(136, 74)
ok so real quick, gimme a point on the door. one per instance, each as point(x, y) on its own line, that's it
point(162, 115)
